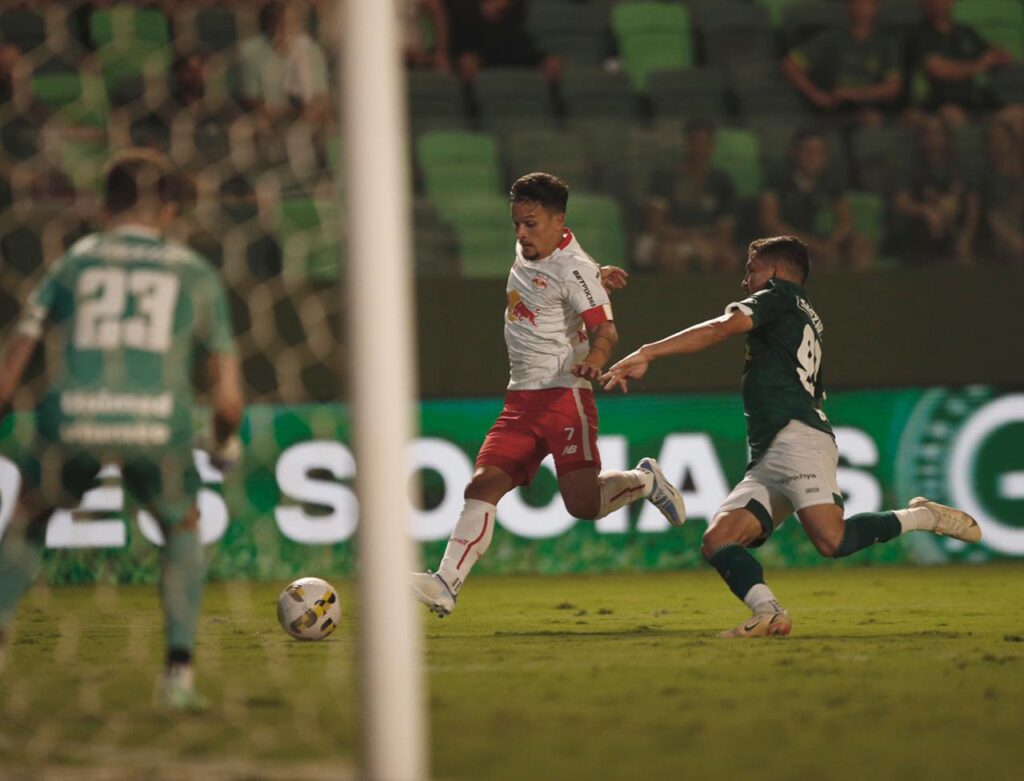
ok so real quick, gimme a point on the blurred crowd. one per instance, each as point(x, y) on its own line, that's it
point(881, 133)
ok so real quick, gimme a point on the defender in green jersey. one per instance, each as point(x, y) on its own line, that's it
point(793, 452)
point(122, 313)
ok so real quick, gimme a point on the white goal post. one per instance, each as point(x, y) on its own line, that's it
point(380, 305)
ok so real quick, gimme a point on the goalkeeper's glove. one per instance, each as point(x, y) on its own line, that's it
point(224, 456)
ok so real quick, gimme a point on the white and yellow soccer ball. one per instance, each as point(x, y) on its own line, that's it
point(309, 609)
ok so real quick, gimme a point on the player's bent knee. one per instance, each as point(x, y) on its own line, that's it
point(585, 510)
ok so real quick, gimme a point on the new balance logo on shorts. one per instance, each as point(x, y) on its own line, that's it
point(570, 450)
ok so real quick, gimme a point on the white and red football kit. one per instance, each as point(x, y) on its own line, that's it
point(552, 303)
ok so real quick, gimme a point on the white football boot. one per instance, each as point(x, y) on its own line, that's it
point(430, 589)
point(950, 522)
point(177, 689)
point(762, 625)
point(665, 496)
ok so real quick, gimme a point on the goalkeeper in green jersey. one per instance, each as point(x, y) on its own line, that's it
point(121, 314)
point(793, 451)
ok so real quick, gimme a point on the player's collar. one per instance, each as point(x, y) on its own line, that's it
point(136, 229)
point(566, 239)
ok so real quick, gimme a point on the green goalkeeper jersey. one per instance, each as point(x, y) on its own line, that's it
point(782, 372)
point(123, 313)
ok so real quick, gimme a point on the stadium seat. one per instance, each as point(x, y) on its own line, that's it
point(687, 93)
point(485, 235)
point(435, 102)
point(1000, 22)
point(22, 250)
point(56, 87)
point(456, 164)
point(128, 27)
point(868, 212)
point(20, 137)
point(732, 32)
point(509, 98)
point(762, 93)
point(593, 93)
point(22, 27)
point(738, 154)
point(307, 230)
point(652, 36)
point(131, 43)
point(597, 222)
point(562, 153)
point(578, 32)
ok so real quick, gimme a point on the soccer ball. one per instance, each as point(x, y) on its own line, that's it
point(309, 609)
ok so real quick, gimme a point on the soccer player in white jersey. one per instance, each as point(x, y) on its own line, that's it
point(559, 332)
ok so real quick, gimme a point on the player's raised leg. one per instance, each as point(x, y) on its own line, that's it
point(724, 547)
point(469, 541)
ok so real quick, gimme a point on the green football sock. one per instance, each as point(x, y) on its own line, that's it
point(19, 562)
point(864, 530)
point(738, 568)
point(181, 586)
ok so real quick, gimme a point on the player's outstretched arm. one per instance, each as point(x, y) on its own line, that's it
point(15, 361)
point(691, 340)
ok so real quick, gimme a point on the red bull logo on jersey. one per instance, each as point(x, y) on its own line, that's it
point(518, 311)
point(539, 283)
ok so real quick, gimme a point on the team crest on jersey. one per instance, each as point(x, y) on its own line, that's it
point(539, 282)
point(518, 311)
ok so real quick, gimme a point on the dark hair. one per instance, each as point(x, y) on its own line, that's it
point(270, 17)
point(788, 249)
point(546, 189)
point(137, 175)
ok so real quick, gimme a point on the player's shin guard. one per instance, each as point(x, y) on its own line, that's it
point(621, 488)
point(19, 562)
point(740, 571)
point(864, 530)
point(181, 587)
point(469, 541)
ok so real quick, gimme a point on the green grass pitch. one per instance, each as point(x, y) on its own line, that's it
point(890, 673)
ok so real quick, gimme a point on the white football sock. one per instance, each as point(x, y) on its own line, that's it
point(760, 599)
point(621, 488)
point(914, 519)
point(469, 541)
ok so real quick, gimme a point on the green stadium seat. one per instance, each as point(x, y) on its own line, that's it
point(127, 27)
point(1000, 22)
point(131, 43)
point(687, 93)
point(562, 153)
point(652, 36)
point(485, 234)
point(737, 152)
point(307, 230)
point(56, 89)
point(593, 93)
point(435, 102)
point(597, 222)
point(22, 27)
point(578, 32)
point(732, 32)
point(868, 212)
point(456, 164)
point(762, 93)
point(508, 98)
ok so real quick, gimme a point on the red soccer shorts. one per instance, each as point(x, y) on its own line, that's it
point(533, 423)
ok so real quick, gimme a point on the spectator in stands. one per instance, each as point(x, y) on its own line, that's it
point(804, 202)
point(492, 34)
point(422, 50)
point(9, 57)
point(189, 82)
point(854, 71)
point(283, 70)
point(936, 212)
point(1002, 193)
point(690, 216)
point(949, 57)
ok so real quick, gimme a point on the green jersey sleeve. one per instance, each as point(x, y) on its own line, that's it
point(43, 300)
point(762, 307)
